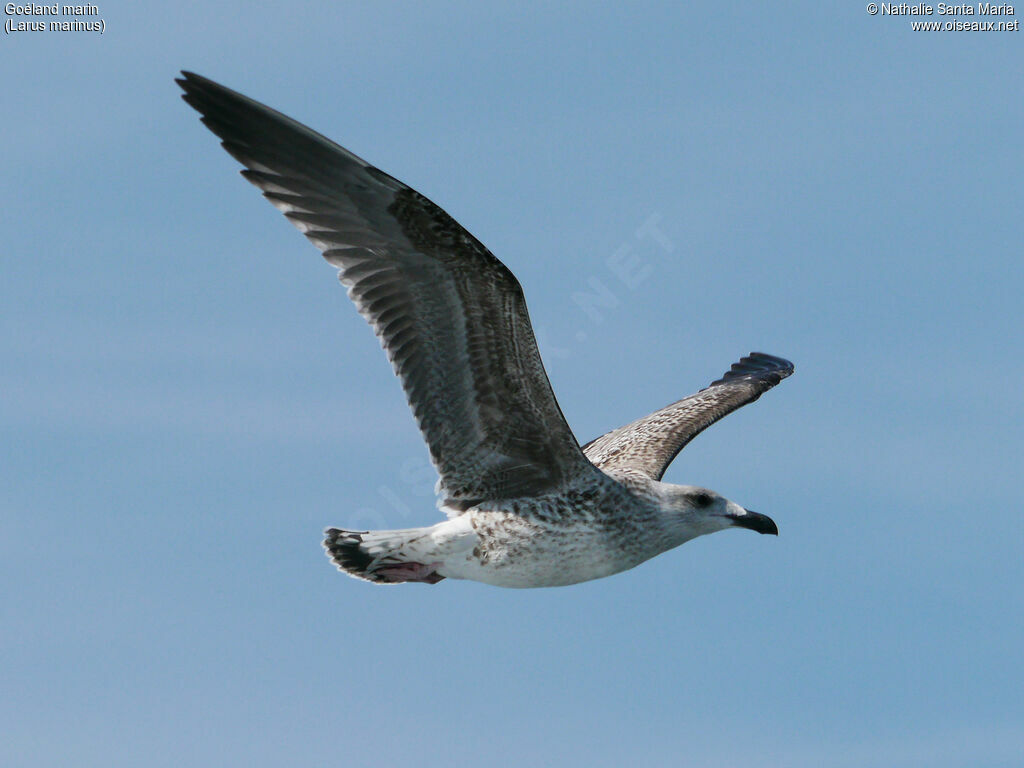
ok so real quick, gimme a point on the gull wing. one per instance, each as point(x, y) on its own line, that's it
point(649, 445)
point(450, 316)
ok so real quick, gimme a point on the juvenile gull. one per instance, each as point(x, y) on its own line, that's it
point(527, 506)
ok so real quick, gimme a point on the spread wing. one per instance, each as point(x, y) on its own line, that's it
point(648, 445)
point(450, 316)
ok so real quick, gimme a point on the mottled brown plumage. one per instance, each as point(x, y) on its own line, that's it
point(451, 317)
point(649, 444)
point(529, 507)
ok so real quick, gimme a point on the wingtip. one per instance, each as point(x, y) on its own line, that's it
point(188, 76)
point(192, 87)
point(758, 365)
point(762, 362)
point(763, 358)
point(186, 80)
point(197, 85)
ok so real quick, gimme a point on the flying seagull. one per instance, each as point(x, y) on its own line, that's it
point(526, 505)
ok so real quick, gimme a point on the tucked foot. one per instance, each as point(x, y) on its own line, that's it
point(400, 572)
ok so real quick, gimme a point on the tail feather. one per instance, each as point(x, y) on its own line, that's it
point(345, 550)
point(379, 556)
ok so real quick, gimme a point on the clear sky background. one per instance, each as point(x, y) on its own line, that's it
point(187, 398)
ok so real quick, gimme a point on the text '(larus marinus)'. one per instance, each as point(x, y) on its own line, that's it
point(527, 506)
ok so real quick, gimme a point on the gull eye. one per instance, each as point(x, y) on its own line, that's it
point(702, 500)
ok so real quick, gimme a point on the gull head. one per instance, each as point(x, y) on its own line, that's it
point(695, 511)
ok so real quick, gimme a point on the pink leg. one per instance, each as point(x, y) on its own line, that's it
point(410, 572)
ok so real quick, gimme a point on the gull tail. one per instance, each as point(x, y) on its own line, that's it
point(383, 557)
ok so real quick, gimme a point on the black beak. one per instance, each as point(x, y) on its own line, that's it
point(755, 521)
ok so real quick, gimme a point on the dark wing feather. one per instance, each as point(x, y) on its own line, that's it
point(451, 317)
point(648, 445)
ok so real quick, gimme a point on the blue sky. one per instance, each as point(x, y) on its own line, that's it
point(187, 398)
